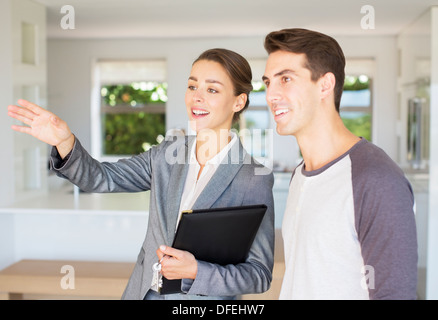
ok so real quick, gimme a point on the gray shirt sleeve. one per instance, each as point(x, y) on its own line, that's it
point(385, 224)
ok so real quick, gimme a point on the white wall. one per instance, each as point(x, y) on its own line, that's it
point(6, 144)
point(13, 76)
point(29, 82)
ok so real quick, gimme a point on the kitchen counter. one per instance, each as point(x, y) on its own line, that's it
point(68, 200)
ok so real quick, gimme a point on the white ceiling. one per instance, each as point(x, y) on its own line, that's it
point(225, 18)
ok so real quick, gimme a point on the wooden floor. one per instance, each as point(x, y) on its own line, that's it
point(62, 278)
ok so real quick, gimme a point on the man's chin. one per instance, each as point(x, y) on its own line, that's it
point(282, 131)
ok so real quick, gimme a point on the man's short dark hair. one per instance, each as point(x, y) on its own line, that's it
point(323, 54)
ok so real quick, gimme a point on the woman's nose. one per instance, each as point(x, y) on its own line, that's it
point(197, 95)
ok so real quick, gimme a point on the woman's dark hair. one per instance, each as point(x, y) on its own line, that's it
point(237, 68)
point(322, 52)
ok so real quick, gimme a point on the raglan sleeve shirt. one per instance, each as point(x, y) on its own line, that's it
point(349, 230)
point(385, 224)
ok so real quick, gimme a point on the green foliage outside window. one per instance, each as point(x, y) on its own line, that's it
point(357, 122)
point(356, 83)
point(136, 93)
point(359, 125)
point(132, 133)
point(128, 129)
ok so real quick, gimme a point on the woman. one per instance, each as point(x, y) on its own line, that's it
point(208, 170)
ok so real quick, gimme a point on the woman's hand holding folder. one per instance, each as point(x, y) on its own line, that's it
point(177, 264)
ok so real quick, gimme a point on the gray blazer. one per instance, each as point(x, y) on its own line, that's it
point(239, 180)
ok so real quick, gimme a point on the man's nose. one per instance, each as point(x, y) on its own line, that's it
point(273, 95)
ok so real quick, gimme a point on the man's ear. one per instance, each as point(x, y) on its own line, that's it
point(328, 82)
point(240, 102)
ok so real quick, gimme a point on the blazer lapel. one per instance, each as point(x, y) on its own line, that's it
point(223, 176)
point(176, 188)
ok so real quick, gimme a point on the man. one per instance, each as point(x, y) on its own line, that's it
point(349, 227)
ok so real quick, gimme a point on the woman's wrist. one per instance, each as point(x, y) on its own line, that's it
point(66, 146)
point(194, 270)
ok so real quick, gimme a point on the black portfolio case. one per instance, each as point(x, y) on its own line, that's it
point(220, 235)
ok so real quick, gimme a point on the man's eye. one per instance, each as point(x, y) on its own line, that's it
point(286, 79)
point(266, 84)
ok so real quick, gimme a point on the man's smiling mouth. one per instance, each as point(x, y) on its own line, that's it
point(280, 111)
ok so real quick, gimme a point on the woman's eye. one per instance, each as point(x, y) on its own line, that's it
point(211, 90)
point(192, 88)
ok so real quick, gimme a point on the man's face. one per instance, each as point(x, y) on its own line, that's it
point(291, 94)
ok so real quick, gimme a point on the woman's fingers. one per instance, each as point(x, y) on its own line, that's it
point(31, 106)
point(177, 264)
point(42, 124)
point(27, 111)
point(23, 129)
point(21, 114)
point(26, 119)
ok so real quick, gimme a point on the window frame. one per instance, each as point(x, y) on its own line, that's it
point(369, 110)
point(267, 158)
point(97, 107)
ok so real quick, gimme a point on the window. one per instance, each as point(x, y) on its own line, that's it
point(131, 107)
point(355, 110)
point(254, 126)
point(254, 122)
point(356, 104)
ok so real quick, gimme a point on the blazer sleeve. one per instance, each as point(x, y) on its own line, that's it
point(90, 175)
point(255, 274)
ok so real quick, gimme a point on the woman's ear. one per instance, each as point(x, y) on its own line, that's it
point(240, 102)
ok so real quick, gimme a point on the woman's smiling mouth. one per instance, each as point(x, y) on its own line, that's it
point(199, 112)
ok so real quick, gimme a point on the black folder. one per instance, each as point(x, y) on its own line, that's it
point(220, 235)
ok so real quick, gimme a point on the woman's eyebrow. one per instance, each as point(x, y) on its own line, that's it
point(208, 80)
point(214, 81)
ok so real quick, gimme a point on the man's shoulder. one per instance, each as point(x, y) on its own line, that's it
point(369, 160)
point(375, 174)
